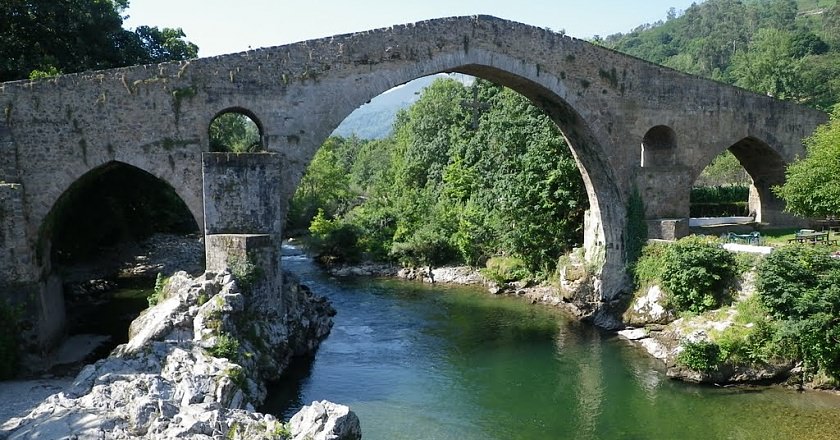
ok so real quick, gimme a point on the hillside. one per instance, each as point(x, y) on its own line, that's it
point(374, 120)
point(782, 48)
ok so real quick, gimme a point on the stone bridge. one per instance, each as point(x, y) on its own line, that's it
point(632, 126)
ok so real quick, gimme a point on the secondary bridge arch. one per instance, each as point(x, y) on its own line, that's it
point(157, 116)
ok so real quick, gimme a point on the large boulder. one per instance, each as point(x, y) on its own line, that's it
point(325, 421)
point(648, 307)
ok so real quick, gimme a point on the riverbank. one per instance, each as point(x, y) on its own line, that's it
point(649, 324)
point(465, 276)
point(450, 361)
point(195, 366)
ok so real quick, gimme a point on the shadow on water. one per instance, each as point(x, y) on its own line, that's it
point(288, 392)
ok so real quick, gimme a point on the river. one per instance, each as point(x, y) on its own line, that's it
point(450, 362)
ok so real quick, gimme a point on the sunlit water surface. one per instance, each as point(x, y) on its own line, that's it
point(441, 362)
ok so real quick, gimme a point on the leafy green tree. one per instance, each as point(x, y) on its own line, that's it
point(77, 35)
point(324, 188)
point(812, 183)
point(767, 66)
point(234, 132)
point(800, 286)
point(725, 169)
point(470, 172)
point(768, 46)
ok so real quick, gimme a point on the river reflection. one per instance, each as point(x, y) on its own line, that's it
point(422, 362)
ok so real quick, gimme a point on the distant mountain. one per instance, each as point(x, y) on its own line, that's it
point(375, 119)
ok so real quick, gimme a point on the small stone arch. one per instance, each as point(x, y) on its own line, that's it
point(659, 147)
point(248, 136)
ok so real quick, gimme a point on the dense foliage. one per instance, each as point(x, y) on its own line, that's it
point(46, 37)
point(470, 172)
point(812, 183)
point(800, 287)
point(719, 201)
point(768, 46)
point(234, 132)
point(696, 272)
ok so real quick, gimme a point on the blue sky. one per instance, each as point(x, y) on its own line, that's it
point(227, 26)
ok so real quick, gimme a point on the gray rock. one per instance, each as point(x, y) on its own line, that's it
point(164, 383)
point(325, 421)
point(648, 308)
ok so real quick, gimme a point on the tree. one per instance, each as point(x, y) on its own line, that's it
point(768, 66)
point(77, 35)
point(234, 132)
point(324, 188)
point(812, 183)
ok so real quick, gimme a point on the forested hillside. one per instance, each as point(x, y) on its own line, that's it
point(784, 48)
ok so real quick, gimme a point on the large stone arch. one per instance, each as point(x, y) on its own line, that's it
point(51, 311)
point(71, 177)
point(765, 164)
point(587, 136)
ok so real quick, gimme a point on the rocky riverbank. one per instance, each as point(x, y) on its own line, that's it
point(656, 329)
point(195, 367)
point(464, 275)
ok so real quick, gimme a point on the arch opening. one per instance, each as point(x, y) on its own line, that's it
point(453, 143)
point(105, 240)
point(736, 188)
point(236, 130)
point(659, 147)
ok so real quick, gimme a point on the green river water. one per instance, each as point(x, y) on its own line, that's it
point(441, 362)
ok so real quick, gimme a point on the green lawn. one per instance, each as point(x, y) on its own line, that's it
point(779, 237)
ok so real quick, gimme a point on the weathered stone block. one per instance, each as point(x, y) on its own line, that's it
point(667, 228)
point(242, 193)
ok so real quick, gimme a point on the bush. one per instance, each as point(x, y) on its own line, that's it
point(649, 268)
point(720, 194)
point(800, 287)
point(696, 273)
point(333, 241)
point(246, 273)
point(157, 295)
point(702, 356)
point(504, 269)
point(426, 247)
point(226, 347)
point(720, 201)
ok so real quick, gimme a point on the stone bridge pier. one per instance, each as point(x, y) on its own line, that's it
point(244, 213)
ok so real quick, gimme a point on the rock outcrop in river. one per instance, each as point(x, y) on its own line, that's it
point(195, 367)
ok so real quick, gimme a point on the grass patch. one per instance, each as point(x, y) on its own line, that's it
point(226, 347)
point(505, 269)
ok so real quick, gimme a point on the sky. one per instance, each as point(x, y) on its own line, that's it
point(228, 26)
